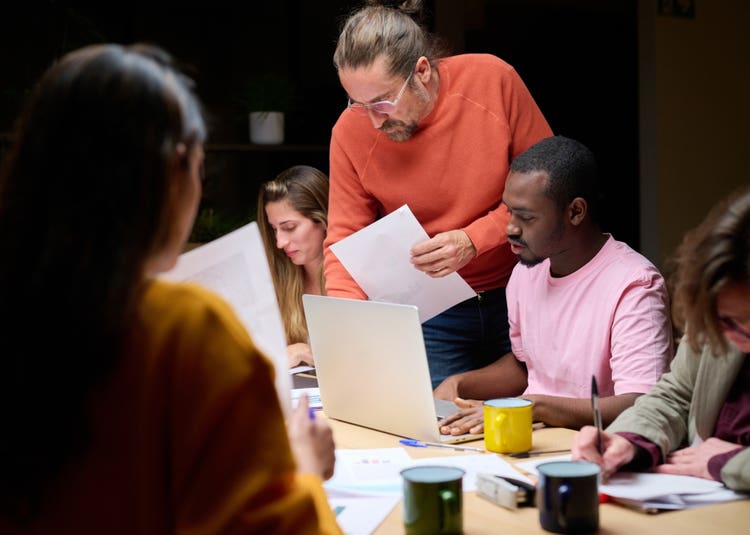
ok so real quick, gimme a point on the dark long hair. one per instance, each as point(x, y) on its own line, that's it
point(84, 203)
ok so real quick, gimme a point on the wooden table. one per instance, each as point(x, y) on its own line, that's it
point(483, 517)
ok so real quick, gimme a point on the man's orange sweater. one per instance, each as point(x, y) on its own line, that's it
point(451, 173)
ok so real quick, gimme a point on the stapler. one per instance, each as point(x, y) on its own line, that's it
point(505, 491)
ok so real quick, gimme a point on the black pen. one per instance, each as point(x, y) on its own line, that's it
point(597, 414)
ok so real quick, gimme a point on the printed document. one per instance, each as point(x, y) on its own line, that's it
point(235, 267)
point(378, 259)
point(378, 471)
point(649, 491)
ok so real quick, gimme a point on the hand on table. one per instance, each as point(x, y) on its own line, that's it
point(298, 354)
point(444, 253)
point(311, 440)
point(470, 419)
point(693, 461)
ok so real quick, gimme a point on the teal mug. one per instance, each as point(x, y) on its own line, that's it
point(433, 500)
point(567, 496)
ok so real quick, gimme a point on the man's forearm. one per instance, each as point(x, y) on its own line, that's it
point(505, 377)
point(574, 413)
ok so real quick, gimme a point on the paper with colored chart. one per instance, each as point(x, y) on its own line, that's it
point(378, 471)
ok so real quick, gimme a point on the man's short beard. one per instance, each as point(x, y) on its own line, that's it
point(402, 132)
point(531, 262)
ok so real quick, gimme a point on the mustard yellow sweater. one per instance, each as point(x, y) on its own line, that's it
point(188, 437)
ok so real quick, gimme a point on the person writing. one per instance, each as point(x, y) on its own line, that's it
point(131, 404)
point(580, 303)
point(696, 420)
point(292, 217)
point(436, 133)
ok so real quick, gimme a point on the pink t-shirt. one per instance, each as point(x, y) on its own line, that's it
point(610, 319)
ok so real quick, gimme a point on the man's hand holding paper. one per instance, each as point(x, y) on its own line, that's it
point(445, 253)
point(378, 257)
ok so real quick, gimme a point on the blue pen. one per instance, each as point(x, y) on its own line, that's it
point(421, 444)
point(311, 413)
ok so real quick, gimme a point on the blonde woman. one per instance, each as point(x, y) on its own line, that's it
point(293, 218)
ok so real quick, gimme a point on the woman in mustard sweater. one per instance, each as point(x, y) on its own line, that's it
point(131, 405)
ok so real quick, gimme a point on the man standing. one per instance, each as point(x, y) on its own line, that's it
point(437, 134)
point(580, 303)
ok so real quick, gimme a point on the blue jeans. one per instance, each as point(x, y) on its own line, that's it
point(467, 336)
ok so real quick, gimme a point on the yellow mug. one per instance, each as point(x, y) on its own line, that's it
point(507, 425)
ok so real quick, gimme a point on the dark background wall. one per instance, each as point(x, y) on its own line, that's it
point(578, 58)
point(580, 62)
point(220, 47)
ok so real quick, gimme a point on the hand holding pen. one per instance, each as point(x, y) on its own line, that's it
point(592, 444)
point(311, 440)
point(617, 450)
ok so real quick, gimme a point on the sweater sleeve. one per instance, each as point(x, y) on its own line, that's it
point(350, 208)
point(735, 473)
point(527, 126)
point(327, 519)
point(233, 471)
point(661, 416)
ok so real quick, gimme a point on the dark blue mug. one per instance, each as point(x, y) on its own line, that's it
point(567, 496)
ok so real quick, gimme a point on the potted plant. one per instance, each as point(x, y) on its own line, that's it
point(267, 98)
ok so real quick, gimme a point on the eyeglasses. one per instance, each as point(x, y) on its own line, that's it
point(730, 325)
point(382, 106)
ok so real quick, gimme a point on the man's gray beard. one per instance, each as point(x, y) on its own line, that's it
point(402, 134)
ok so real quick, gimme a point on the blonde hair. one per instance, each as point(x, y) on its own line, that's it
point(711, 257)
point(389, 29)
point(305, 188)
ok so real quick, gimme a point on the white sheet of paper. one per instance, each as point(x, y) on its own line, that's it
point(368, 471)
point(661, 491)
point(235, 267)
point(378, 471)
point(313, 396)
point(377, 258)
point(644, 486)
point(360, 515)
point(530, 466)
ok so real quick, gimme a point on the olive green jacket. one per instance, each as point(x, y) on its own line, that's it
point(684, 406)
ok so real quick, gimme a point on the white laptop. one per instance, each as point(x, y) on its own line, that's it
point(371, 365)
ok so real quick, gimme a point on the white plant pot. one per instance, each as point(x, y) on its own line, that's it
point(266, 127)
